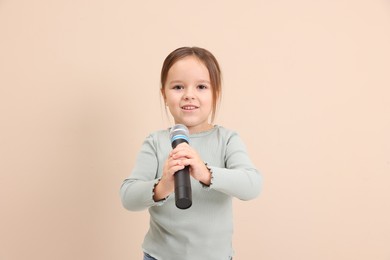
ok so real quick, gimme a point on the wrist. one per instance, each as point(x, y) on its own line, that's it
point(160, 190)
point(206, 180)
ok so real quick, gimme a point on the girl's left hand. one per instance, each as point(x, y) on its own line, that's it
point(189, 157)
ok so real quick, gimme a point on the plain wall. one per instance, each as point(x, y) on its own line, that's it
point(306, 84)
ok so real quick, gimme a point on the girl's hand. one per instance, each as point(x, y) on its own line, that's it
point(183, 155)
point(167, 182)
point(189, 157)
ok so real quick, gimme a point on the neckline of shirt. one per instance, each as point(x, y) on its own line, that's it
point(203, 133)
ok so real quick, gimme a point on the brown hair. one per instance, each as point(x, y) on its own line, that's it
point(207, 58)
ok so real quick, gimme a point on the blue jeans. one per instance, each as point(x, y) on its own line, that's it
point(148, 257)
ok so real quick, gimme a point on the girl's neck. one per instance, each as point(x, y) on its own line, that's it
point(197, 130)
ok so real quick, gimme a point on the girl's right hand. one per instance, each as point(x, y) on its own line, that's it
point(166, 184)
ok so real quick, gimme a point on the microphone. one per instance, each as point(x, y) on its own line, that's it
point(183, 194)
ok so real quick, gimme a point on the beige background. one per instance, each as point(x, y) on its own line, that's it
point(306, 84)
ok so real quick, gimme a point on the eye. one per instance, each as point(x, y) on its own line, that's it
point(202, 87)
point(177, 87)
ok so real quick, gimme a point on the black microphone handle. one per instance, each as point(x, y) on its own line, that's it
point(183, 192)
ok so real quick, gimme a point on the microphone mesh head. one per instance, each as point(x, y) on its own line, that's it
point(179, 131)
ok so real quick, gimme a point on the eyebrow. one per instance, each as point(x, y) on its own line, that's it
point(179, 81)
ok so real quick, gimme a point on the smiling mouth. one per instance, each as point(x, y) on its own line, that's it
point(188, 108)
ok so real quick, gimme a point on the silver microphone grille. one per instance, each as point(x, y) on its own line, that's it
point(179, 131)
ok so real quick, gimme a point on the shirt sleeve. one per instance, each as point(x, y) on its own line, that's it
point(239, 178)
point(137, 191)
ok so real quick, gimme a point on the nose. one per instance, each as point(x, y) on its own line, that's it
point(189, 94)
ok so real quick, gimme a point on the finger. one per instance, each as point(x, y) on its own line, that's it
point(187, 150)
point(170, 163)
point(182, 155)
point(176, 169)
point(186, 162)
point(175, 165)
point(173, 161)
point(181, 147)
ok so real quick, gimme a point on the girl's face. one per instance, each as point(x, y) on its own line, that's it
point(187, 93)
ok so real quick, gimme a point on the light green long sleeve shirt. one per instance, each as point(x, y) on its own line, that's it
point(204, 231)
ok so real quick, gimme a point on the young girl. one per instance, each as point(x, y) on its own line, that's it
point(219, 167)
